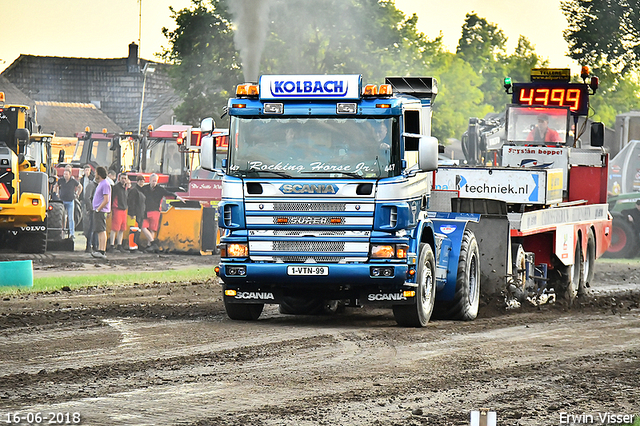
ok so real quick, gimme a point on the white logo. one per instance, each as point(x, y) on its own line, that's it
point(254, 295)
point(35, 228)
point(385, 296)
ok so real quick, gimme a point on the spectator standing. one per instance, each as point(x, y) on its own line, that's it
point(87, 176)
point(153, 196)
point(68, 189)
point(136, 203)
point(88, 188)
point(101, 206)
point(111, 177)
point(87, 220)
point(118, 213)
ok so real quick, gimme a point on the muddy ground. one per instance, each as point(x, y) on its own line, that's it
point(166, 354)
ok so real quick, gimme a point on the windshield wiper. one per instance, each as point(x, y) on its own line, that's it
point(281, 174)
point(352, 174)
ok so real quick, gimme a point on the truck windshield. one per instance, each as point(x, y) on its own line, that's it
point(531, 126)
point(163, 157)
point(313, 147)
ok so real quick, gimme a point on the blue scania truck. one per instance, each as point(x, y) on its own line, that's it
point(326, 198)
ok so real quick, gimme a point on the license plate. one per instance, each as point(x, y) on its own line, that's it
point(307, 270)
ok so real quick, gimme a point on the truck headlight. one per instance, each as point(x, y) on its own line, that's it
point(382, 251)
point(389, 251)
point(234, 250)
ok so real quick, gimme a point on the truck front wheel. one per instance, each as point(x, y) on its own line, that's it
point(418, 314)
point(243, 311)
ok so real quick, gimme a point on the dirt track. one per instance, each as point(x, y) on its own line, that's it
point(166, 354)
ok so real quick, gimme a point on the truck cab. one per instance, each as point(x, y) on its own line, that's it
point(324, 201)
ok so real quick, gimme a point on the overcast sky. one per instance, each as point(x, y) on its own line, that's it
point(104, 28)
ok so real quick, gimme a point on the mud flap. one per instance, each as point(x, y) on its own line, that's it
point(493, 234)
point(209, 235)
point(451, 227)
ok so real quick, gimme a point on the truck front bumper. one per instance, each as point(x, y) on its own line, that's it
point(269, 282)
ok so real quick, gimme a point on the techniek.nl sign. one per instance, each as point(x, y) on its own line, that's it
point(517, 186)
point(310, 86)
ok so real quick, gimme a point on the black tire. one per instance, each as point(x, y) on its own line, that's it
point(589, 262)
point(570, 282)
point(419, 314)
point(466, 301)
point(625, 241)
point(33, 242)
point(301, 306)
point(243, 311)
point(55, 222)
point(77, 215)
point(519, 271)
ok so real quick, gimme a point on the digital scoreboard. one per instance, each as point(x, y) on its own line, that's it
point(553, 93)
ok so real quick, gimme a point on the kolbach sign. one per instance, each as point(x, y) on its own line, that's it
point(273, 87)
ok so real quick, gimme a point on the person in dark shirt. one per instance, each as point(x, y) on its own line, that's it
point(88, 188)
point(154, 194)
point(68, 190)
point(136, 200)
point(119, 208)
point(633, 216)
point(136, 203)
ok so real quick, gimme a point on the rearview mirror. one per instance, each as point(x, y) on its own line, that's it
point(207, 125)
point(597, 134)
point(428, 154)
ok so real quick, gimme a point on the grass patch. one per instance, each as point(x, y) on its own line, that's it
point(53, 283)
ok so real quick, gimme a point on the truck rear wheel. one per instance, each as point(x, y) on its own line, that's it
point(466, 300)
point(624, 239)
point(243, 311)
point(570, 283)
point(589, 261)
point(418, 314)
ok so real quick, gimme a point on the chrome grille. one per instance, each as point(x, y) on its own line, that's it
point(302, 259)
point(309, 207)
point(309, 246)
point(291, 233)
point(309, 220)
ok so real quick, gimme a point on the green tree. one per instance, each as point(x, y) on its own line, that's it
point(367, 37)
point(616, 94)
point(604, 33)
point(481, 43)
point(459, 98)
point(206, 62)
point(519, 64)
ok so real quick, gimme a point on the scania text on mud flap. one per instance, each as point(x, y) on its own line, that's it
point(542, 194)
point(324, 202)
